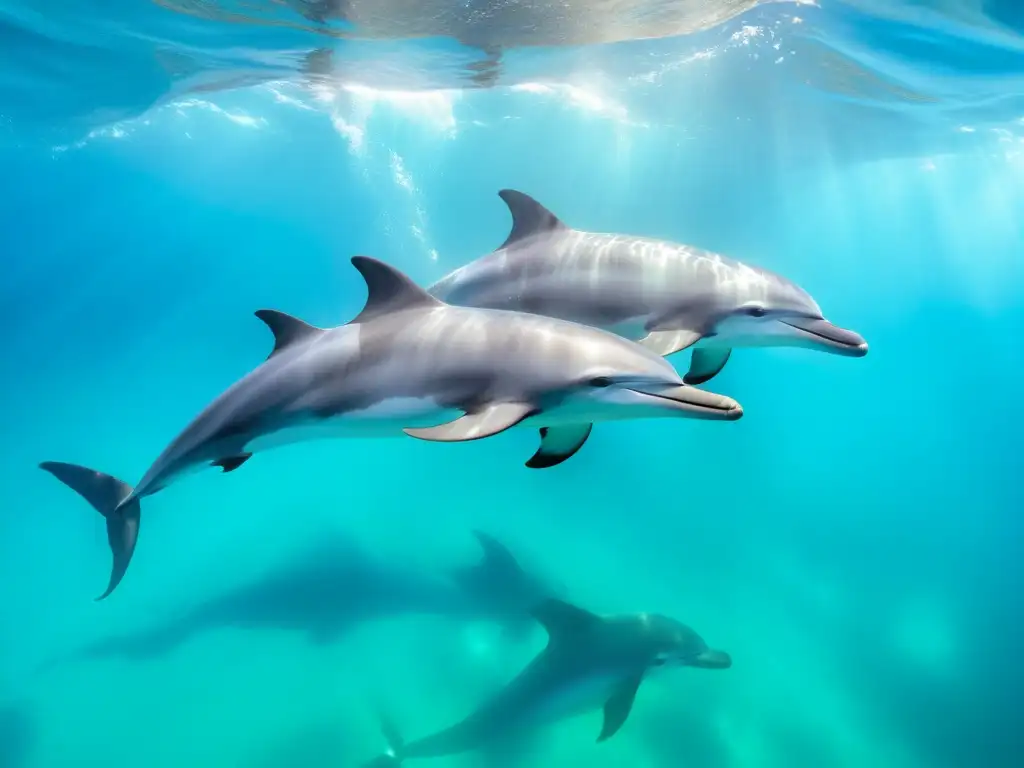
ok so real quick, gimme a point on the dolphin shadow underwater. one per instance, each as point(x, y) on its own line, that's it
point(590, 662)
point(327, 591)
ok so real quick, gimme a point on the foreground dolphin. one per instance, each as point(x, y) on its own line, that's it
point(669, 297)
point(333, 587)
point(589, 661)
point(405, 362)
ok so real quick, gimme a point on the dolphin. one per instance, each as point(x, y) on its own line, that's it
point(666, 296)
point(334, 586)
point(405, 363)
point(589, 662)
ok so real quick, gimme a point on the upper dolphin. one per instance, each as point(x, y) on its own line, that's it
point(668, 296)
point(407, 361)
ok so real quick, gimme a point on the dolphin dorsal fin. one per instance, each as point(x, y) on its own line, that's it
point(496, 565)
point(528, 217)
point(561, 619)
point(496, 555)
point(287, 330)
point(388, 290)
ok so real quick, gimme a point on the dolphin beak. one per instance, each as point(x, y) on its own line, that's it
point(695, 403)
point(712, 659)
point(832, 338)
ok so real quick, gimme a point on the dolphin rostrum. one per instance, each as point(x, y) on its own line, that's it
point(407, 363)
point(667, 296)
point(590, 661)
point(335, 585)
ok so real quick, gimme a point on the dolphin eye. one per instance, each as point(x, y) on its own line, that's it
point(755, 311)
point(600, 381)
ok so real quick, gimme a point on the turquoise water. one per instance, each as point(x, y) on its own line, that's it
point(853, 542)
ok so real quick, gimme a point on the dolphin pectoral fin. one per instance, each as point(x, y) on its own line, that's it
point(705, 364)
point(107, 495)
point(667, 343)
point(231, 463)
point(478, 424)
point(558, 444)
point(618, 707)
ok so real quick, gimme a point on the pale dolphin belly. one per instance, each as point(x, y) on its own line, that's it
point(389, 417)
point(386, 418)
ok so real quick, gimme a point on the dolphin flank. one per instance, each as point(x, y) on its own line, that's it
point(407, 364)
point(667, 296)
point(590, 662)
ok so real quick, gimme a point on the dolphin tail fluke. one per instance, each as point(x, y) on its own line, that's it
point(396, 744)
point(111, 498)
point(386, 760)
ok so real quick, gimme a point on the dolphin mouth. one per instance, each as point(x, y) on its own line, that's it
point(695, 403)
point(837, 340)
point(712, 659)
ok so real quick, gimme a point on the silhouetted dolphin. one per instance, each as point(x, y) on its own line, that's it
point(589, 662)
point(336, 585)
point(407, 361)
point(670, 297)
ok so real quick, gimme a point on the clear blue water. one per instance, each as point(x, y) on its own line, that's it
point(853, 542)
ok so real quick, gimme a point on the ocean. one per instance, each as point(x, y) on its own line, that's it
point(853, 542)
